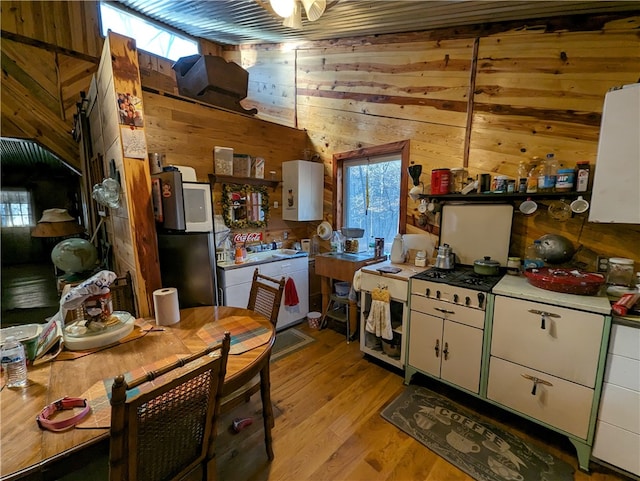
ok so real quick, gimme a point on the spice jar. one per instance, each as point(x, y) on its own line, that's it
point(513, 266)
point(620, 272)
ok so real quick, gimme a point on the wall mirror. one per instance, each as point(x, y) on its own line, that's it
point(245, 205)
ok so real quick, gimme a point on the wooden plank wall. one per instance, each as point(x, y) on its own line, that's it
point(484, 102)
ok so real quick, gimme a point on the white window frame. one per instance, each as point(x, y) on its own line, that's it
point(11, 196)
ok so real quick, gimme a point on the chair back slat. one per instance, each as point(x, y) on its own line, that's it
point(166, 430)
point(266, 296)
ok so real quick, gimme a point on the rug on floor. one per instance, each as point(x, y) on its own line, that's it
point(289, 341)
point(483, 451)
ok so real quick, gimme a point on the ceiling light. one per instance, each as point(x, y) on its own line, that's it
point(295, 19)
point(283, 8)
point(314, 8)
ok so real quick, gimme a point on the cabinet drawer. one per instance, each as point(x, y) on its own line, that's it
point(620, 407)
point(564, 405)
point(623, 371)
point(397, 288)
point(625, 341)
point(283, 267)
point(617, 446)
point(233, 277)
point(568, 347)
point(464, 315)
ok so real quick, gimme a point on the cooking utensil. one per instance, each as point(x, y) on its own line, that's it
point(445, 258)
point(486, 266)
point(579, 205)
point(555, 249)
point(324, 230)
point(528, 207)
point(567, 281)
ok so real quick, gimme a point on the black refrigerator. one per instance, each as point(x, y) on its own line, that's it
point(188, 263)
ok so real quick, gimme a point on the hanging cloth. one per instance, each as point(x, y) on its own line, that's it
point(379, 320)
point(290, 293)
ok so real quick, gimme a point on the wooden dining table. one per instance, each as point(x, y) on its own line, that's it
point(27, 449)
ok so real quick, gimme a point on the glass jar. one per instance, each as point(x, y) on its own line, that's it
point(620, 272)
point(458, 179)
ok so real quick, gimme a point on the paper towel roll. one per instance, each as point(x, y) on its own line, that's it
point(166, 306)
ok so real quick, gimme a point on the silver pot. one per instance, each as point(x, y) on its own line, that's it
point(445, 259)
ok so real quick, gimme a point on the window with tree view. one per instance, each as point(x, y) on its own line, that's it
point(15, 210)
point(371, 196)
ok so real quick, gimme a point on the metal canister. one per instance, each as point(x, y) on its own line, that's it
point(379, 247)
point(440, 181)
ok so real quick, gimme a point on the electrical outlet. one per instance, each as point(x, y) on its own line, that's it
point(285, 235)
point(603, 264)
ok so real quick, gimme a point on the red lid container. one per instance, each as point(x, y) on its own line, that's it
point(440, 181)
point(568, 281)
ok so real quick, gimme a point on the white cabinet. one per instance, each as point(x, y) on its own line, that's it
point(302, 190)
point(617, 439)
point(235, 286)
point(446, 341)
point(398, 290)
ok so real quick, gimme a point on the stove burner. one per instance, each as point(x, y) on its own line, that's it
point(461, 276)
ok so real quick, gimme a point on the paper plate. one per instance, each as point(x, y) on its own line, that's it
point(324, 230)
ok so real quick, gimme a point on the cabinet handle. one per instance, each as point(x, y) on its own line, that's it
point(536, 381)
point(444, 311)
point(446, 351)
point(543, 316)
point(437, 348)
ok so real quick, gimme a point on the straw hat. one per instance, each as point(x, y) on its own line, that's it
point(55, 215)
point(56, 223)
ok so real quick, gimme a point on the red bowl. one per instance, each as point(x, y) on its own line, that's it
point(567, 281)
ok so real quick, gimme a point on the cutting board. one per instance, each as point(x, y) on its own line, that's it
point(477, 230)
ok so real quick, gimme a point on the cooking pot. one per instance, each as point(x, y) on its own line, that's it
point(445, 259)
point(486, 267)
point(565, 280)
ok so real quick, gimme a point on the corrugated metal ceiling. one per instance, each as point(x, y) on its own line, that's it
point(236, 22)
point(26, 153)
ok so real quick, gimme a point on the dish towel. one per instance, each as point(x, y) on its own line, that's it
point(290, 293)
point(379, 320)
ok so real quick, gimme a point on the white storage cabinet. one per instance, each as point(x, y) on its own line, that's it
point(617, 439)
point(235, 286)
point(302, 190)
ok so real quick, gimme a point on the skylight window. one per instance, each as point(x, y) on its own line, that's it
point(148, 36)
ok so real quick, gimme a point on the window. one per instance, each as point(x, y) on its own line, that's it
point(15, 210)
point(372, 187)
point(149, 36)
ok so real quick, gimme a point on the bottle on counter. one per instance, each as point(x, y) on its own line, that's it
point(523, 174)
point(532, 255)
point(582, 176)
point(532, 175)
point(547, 174)
point(14, 363)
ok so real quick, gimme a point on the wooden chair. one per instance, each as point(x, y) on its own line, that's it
point(167, 432)
point(264, 298)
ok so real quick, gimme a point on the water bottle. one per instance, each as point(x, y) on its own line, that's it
point(14, 363)
point(532, 258)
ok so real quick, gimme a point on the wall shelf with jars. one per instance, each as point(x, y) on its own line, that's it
point(503, 197)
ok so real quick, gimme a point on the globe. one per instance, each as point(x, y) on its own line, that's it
point(74, 255)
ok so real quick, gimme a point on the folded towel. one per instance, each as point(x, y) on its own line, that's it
point(290, 293)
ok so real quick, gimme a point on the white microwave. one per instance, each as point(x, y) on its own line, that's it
point(181, 206)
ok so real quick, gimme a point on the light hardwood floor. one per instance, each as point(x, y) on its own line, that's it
point(327, 400)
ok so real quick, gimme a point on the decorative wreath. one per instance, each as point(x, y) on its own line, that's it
point(232, 199)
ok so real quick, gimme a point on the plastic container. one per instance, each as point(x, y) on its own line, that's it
point(313, 318)
point(513, 266)
point(547, 173)
point(533, 256)
point(565, 180)
point(14, 363)
point(440, 181)
point(342, 288)
point(523, 173)
point(582, 176)
point(620, 272)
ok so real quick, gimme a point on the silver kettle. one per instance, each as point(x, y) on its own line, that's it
point(445, 259)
